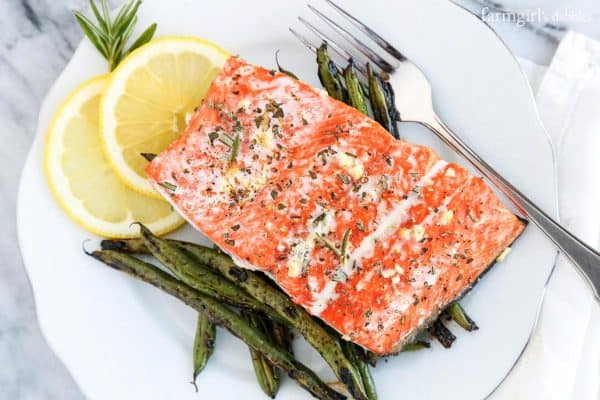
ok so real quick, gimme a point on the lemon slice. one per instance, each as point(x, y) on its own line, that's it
point(83, 181)
point(149, 98)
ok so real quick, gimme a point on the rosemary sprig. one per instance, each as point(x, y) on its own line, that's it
point(109, 35)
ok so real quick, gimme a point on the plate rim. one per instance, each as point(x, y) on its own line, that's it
point(555, 204)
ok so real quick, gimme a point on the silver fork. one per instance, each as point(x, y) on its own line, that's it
point(414, 102)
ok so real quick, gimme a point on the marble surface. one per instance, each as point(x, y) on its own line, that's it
point(37, 37)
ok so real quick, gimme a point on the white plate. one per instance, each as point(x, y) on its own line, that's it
point(124, 340)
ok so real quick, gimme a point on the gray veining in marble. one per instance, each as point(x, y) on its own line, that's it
point(37, 37)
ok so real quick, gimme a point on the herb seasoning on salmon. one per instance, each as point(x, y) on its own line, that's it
point(373, 235)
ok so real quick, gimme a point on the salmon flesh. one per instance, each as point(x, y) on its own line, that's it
point(373, 235)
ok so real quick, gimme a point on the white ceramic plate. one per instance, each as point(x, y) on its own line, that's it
point(124, 340)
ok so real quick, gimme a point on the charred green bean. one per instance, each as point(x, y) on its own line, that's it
point(418, 345)
point(458, 314)
point(443, 335)
point(378, 100)
point(356, 355)
point(204, 343)
point(329, 75)
point(356, 97)
point(266, 373)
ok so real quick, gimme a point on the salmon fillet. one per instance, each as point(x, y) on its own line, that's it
point(373, 235)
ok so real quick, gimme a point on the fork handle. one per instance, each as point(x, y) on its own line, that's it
point(585, 258)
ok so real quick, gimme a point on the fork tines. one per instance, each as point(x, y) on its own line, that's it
point(344, 52)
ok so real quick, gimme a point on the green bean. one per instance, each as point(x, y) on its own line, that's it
point(443, 335)
point(356, 97)
point(329, 75)
point(354, 353)
point(220, 315)
point(378, 100)
point(284, 71)
point(390, 101)
point(458, 314)
point(204, 344)
point(266, 373)
point(370, 358)
point(130, 246)
point(257, 286)
point(418, 345)
point(282, 336)
point(196, 274)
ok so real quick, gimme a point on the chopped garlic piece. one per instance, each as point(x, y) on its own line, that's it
point(447, 217)
point(395, 279)
point(399, 269)
point(356, 171)
point(418, 232)
point(299, 258)
point(351, 164)
point(294, 268)
point(450, 172)
point(236, 178)
point(388, 273)
point(479, 221)
point(503, 255)
point(244, 104)
point(265, 139)
point(405, 233)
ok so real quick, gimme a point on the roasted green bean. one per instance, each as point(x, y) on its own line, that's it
point(130, 246)
point(378, 101)
point(204, 343)
point(418, 345)
point(329, 75)
point(458, 314)
point(355, 354)
point(390, 102)
point(356, 97)
point(443, 335)
point(266, 373)
point(282, 336)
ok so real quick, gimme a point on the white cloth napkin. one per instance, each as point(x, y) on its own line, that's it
point(563, 358)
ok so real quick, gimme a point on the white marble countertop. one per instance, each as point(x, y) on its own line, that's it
point(37, 37)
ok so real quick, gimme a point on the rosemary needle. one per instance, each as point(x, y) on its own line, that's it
point(110, 35)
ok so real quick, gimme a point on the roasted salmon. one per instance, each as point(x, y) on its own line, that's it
point(373, 235)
